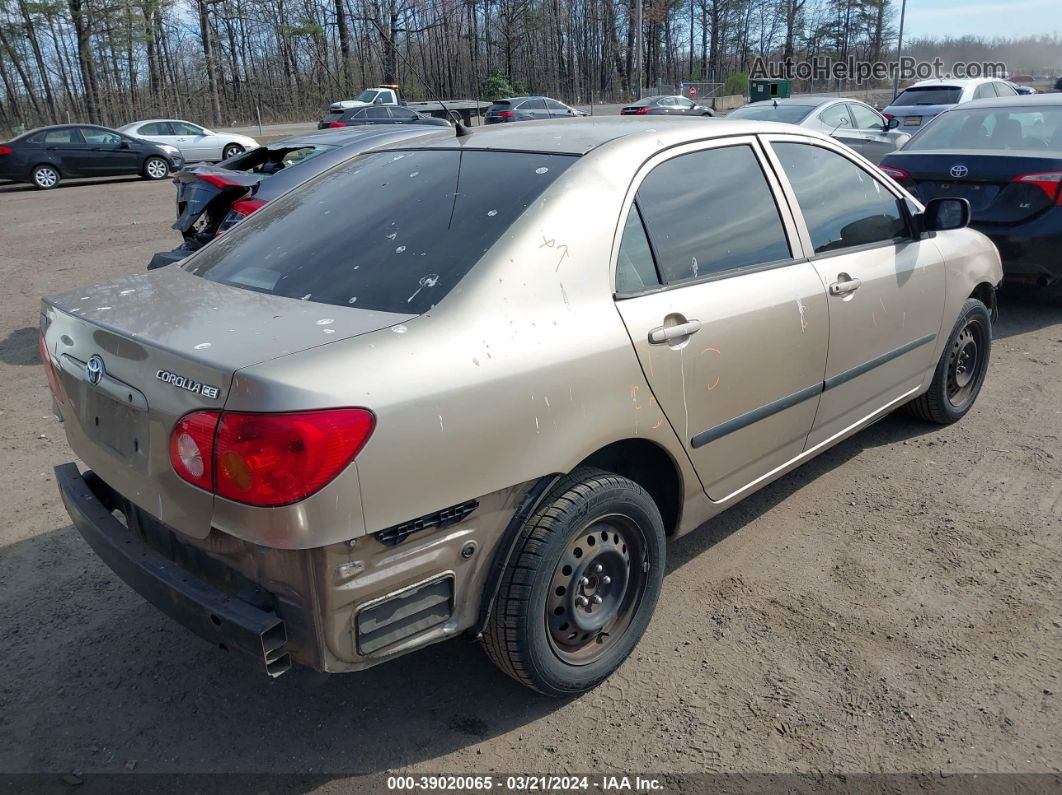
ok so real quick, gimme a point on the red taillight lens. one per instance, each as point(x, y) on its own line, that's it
point(1050, 183)
point(504, 114)
point(267, 459)
point(642, 111)
point(240, 209)
point(897, 174)
point(5, 150)
point(218, 181)
point(336, 124)
point(192, 448)
point(49, 368)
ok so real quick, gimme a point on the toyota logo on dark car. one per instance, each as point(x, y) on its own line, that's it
point(959, 171)
point(94, 369)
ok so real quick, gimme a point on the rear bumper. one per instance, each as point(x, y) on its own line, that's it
point(1030, 250)
point(208, 612)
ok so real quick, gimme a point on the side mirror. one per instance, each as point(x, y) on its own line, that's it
point(944, 214)
point(892, 124)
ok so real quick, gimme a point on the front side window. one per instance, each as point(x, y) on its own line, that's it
point(433, 215)
point(711, 211)
point(863, 118)
point(94, 135)
point(843, 205)
point(1003, 90)
point(184, 128)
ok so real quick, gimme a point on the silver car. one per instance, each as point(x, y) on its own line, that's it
point(195, 143)
point(850, 121)
point(473, 385)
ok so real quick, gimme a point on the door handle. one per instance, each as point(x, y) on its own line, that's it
point(844, 285)
point(663, 334)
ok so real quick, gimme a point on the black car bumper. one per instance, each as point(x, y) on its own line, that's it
point(208, 612)
point(1031, 251)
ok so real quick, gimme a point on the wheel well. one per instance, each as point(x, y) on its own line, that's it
point(52, 166)
point(651, 467)
point(986, 294)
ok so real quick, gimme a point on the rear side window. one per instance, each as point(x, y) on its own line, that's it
point(377, 113)
point(155, 128)
point(534, 104)
point(843, 206)
point(429, 217)
point(711, 211)
point(67, 135)
point(929, 95)
point(836, 116)
point(635, 269)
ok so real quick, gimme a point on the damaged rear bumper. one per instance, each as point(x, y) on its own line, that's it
point(212, 614)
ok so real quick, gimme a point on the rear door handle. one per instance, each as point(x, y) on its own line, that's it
point(664, 334)
point(844, 285)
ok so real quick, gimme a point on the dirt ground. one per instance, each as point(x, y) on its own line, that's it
point(894, 605)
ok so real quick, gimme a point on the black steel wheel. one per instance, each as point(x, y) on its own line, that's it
point(961, 370)
point(580, 586)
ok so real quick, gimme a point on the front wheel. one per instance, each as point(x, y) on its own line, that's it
point(156, 168)
point(961, 370)
point(231, 151)
point(580, 589)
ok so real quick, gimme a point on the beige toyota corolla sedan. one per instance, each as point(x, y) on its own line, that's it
point(473, 385)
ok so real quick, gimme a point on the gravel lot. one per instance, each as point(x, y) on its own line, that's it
point(894, 605)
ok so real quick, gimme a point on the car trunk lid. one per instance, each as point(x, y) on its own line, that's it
point(991, 182)
point(133, 356)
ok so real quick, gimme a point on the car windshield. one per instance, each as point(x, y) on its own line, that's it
point(928, 95)
point(368, 95)
point(392, 231)
point(789, 114)
point(993, 129)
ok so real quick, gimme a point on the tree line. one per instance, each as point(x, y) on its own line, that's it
point(220, 62)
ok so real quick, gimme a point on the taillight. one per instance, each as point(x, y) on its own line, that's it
point(5, 150)
point(1049, 182)
point(897, 174)
point(240, 209)
point(267, 459)
point(503, 114)
point(642, 111)
point(336, 124)
point(219, 181)
point(192, 448)
point(49, 368)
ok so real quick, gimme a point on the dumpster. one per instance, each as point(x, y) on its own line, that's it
point(760, 90)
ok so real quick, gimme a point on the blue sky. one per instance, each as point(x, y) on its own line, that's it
point(981, 17)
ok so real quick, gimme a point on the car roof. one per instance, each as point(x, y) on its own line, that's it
point(808, 101)
point(948, 82)
point(1020, 101)
point(580, 135)
point(150, 121)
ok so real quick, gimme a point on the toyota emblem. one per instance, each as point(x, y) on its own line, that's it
point(94, 369)
point(959, 171)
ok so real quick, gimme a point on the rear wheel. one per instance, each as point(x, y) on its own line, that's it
point(231, 151)
point(45, 177)
point(156, 168)
point(581, 587)
point(961, 370)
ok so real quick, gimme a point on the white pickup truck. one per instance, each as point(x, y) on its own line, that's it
point(381, 95)
point(463, 109)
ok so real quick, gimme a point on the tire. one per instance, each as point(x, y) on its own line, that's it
point(45, 176)
point(581, 585)
point(231, 151)
point(961, 370)
point(156, 168)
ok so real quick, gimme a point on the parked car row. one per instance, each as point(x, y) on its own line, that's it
point(153, 148)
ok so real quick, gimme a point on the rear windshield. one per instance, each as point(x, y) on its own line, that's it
point(789, 114)
point(930, 95)
point(392, 231)
point(993, 130)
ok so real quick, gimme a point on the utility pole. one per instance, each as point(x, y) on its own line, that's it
point(639, 46)
point(899, 51)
